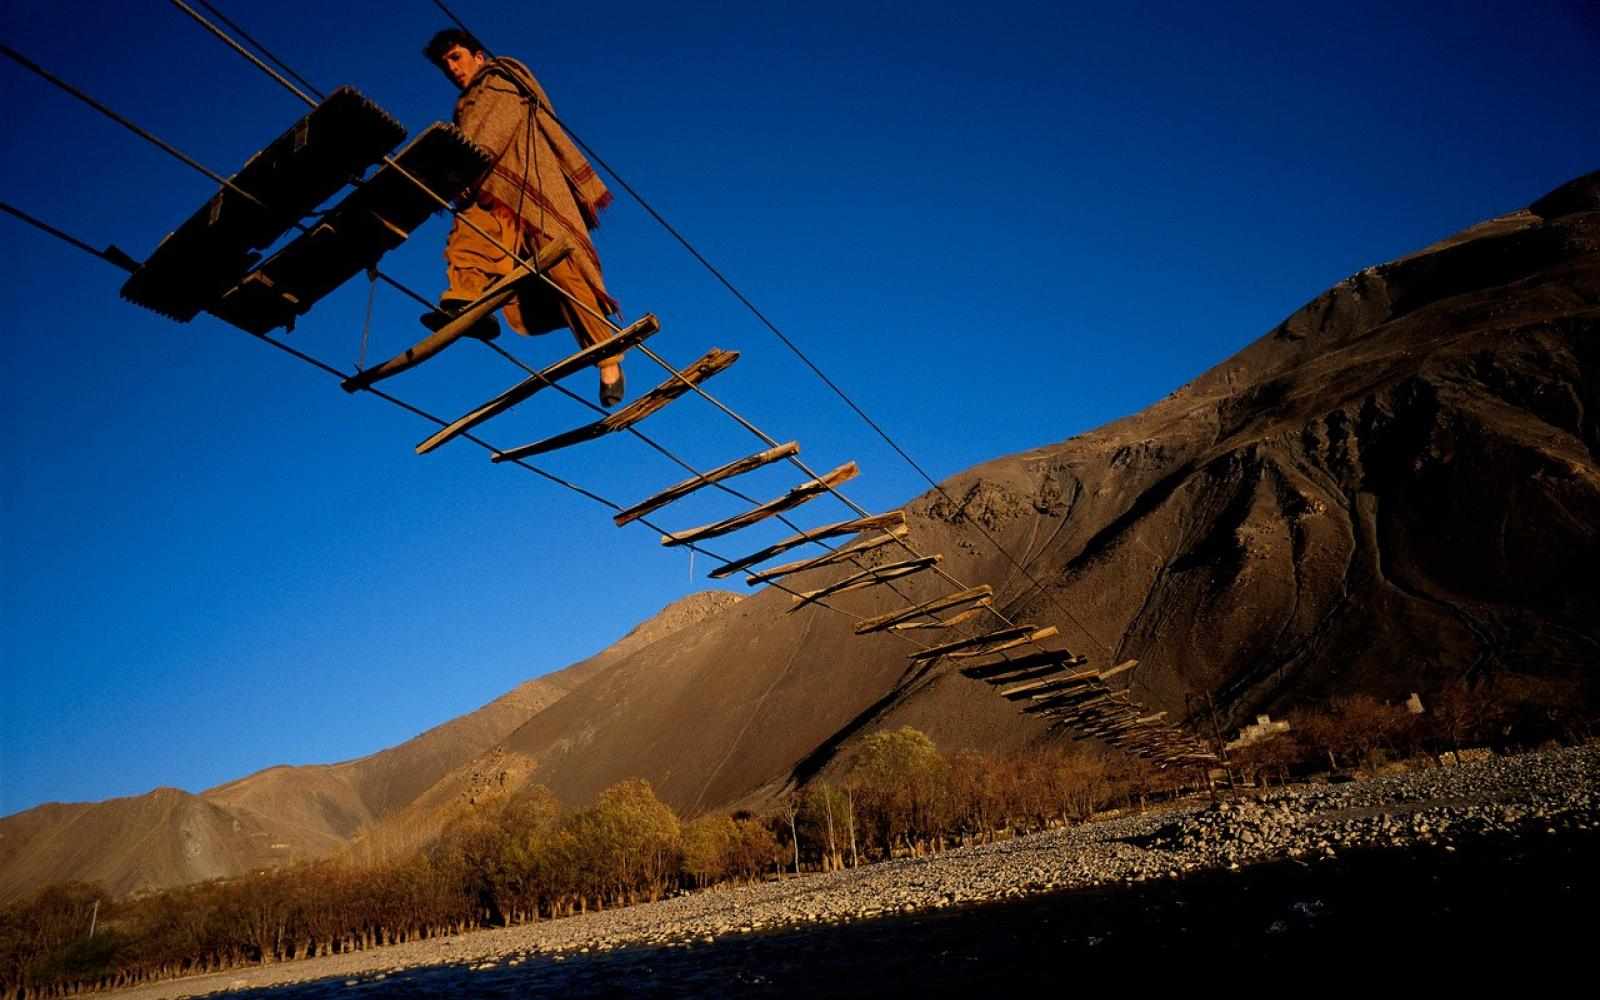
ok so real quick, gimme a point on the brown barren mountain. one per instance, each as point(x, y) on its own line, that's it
point(1394, 487)
point(284, 814)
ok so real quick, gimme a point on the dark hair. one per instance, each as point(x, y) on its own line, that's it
point(448, 39)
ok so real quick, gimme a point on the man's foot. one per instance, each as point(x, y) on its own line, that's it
point(611, 393)
point(485, 329)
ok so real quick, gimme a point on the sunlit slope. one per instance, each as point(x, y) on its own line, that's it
point(1395, 486)
point(283, 814)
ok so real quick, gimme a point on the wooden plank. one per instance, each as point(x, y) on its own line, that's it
point(211, 250)
point(1116, 722)
point(853, 527)
point(1014, 633)
point(640, 330)
point(1121, 668)
point(867, 578)
point(950, 622)
point(1062, 681)
point(678, 491)
point(714, 361)
point(1018, 663)
point(469, 317)
point(1037, 635)
point(355, 234)
point(1011, 677)
point(1068, 704)
point(808, 490)
point(983, 593)
point(894, 534)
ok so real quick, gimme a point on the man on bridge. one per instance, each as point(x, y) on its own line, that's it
point(539, 191)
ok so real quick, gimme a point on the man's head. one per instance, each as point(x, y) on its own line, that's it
point(457, 54)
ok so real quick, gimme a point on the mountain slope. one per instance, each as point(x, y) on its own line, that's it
point(283, 814)
point(1396, 486)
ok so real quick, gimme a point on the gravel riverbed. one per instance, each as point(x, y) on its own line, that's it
point(1552, 794)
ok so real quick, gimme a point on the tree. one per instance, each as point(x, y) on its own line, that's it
point(1356, 725)
point(1531, 710)
point(892, 773)
point(824, 808)
point(755, 848)
point(519, 882)
point(640, 836)
point(709, 846)
point(975, 800)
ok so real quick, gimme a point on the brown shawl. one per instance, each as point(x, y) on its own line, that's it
point(538, 173)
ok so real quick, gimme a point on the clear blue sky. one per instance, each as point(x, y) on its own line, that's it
point(997, 225)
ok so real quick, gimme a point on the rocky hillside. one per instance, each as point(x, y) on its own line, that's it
point(1395, 486)
point(283, 814)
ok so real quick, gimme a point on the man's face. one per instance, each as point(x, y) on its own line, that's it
point(462, 65)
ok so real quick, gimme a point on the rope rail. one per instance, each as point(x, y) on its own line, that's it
point(115, 256)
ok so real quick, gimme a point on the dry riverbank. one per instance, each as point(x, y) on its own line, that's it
point(1400, 824)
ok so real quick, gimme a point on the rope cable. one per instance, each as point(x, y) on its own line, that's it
point(412, 408)
point(793, 347)
point(526, 264)
point(219, 15)
point(120, 259)
point(116, 257)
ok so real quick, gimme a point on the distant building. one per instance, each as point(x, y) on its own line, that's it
point(1264, 728)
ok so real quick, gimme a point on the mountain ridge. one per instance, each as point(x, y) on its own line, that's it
point(1395, 487)
point(283, 813)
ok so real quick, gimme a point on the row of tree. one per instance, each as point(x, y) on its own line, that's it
point(1358, 731)
point(525, 859)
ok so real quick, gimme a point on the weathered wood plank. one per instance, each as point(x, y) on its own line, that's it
point(835, 557)
point(983, 593)
point(989, 642)
point(1050, 657)
point(867, 578)
point(1121, 668)
point(951, 622)
point(1011, 677)
point(636, 333)
point(714, 361)
point(808, 490)
point(870, 523)
point(1059, 681)
point(213, 249)
point(1000, 646)
point(1067, 703)
point(475, 312)
point(355, 234)
point(677, 491)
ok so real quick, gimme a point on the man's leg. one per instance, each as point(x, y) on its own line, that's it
point(473, 262)
point(587, 327)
